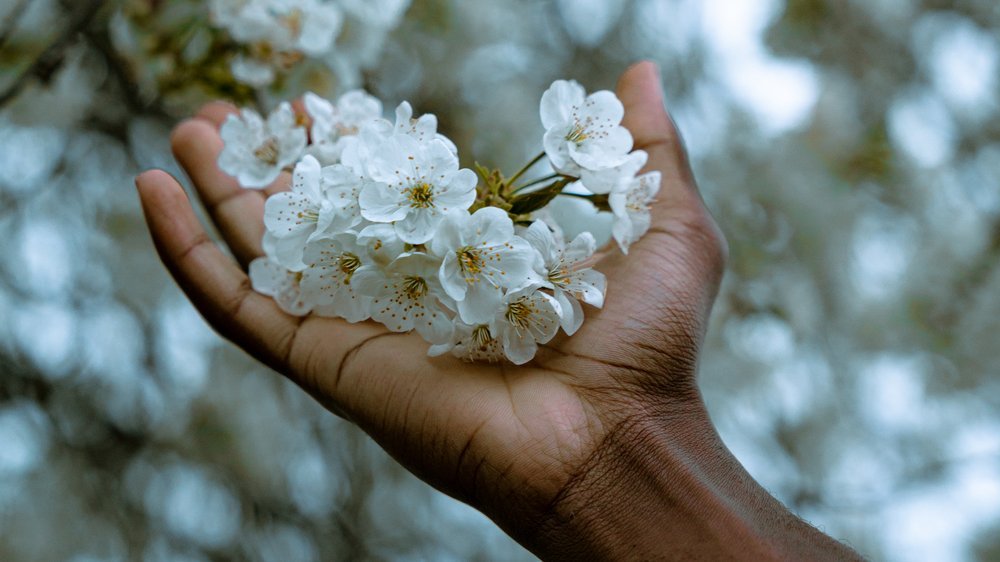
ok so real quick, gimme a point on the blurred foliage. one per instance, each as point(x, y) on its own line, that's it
point(848, 149)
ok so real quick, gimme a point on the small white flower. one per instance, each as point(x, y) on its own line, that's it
point(422, 129)
point(341, 188)
point(333, 125)
point(482, 257)
point(297, 216)
point(251, 71)
point(526, 318)
point(415, 186)
point(562, 268)
point(270, 278)
point(327, 280)
point(382, 242)
point(583, 132)
point(311, 25)
point(407, 295)
point(256, 151)
point(471, 343)
point(306, 26)
point(616, 178)
point(631, 209)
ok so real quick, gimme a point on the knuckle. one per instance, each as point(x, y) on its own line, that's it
point(704, 234)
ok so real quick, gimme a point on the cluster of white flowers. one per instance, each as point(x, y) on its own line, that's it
point(382, 223)
point(277, 34)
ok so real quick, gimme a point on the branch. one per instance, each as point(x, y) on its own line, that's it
point(53, 56)
point(10, 24)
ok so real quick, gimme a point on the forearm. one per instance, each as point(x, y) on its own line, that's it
point(667, 488)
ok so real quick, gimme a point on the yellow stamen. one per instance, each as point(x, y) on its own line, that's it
point(471, 262)
point(578, 134)
point(349, 263)
point(415, 287)
point(268, 152)
point(518, 314)
point(420, 195)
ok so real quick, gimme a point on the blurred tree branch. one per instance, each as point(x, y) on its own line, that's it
point(10, 24)
point(49, 61)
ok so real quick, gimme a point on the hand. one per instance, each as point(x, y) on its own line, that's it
point(538, 448)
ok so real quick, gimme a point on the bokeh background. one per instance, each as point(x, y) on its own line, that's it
point(850, 150)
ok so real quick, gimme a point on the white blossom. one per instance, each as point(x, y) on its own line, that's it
point(341, 189)
point(335, 125)
point(251, 71)
point(415, 186)
point(422, 129)
point(407, 295)
point(526, 318)
point(256, 151)
point(471, 343)
point(383, 244)
point(305, 26)
point(615, 178)
point(327, 279)
point(383, 230)
point(583, 132)
point(297, 216)
point(268, 277)
point(563, 269)
point(481, 257)
point(631, 209)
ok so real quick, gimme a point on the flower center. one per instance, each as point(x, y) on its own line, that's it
point(268, 152)
point(519, 314)
point(471, 261)
point(346, 130)
point(308, 215)
point(420, 195)
point(415, 287)
point(559, 275)
point(481, 336)
point(348, 263)
point(578, 134)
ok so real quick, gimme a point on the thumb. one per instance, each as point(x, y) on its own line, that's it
point(654, 131)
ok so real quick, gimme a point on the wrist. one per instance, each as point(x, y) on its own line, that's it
point(663, 485)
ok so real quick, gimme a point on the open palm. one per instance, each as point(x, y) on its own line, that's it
point(508, 440)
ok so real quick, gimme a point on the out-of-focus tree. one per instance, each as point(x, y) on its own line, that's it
point(849, 150)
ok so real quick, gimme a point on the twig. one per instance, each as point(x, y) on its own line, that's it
point(10, 24)
point(53, 56)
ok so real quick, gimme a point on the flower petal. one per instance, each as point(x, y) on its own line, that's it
point(380, 203)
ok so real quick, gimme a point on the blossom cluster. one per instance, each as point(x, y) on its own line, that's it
point(278, 34)
point(185, 52)
point(381, 221)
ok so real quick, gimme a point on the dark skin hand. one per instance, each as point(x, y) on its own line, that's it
point(600, 448)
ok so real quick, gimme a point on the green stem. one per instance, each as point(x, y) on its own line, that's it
point(599, 201)
point(536, 182)
point(525, 169)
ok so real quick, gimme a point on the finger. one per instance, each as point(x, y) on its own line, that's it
point(654, 131)
point(679, 210)
point(216, 286)
point(217, 112)
point(307, 350)
point(238, 213)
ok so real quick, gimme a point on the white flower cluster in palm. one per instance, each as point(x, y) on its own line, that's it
point(382, 223)
point(277, 34)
